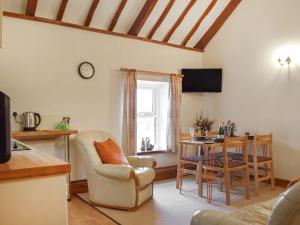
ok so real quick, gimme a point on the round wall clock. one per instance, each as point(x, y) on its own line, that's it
point(86, 70)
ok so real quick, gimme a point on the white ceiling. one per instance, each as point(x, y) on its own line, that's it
point(77, 10)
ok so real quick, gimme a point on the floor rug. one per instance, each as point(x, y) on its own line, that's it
point(169, 207)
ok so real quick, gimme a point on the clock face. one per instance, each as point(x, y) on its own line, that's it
point(86, 70)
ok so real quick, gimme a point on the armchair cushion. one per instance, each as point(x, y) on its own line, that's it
point(110, 152)
point(141, 161)
point(287, 207)
point(121, 172)
point(210, 217)
point(144, 175)
point(255, 214)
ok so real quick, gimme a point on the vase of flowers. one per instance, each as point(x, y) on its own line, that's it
point(202, 125)
point(227, 129)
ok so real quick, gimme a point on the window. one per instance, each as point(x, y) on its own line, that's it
point(152, 109)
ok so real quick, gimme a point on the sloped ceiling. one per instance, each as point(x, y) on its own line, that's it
point(188, 24)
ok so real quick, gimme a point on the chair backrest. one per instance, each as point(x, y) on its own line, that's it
point(262, 145)
point(287, 208)
point(85, 142)
point(238, 143)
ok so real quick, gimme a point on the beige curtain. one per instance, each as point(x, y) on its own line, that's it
point(174, 114)
point(129, 114)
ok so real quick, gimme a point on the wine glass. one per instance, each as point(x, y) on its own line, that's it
point(192, 132)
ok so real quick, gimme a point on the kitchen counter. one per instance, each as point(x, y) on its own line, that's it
point(33, 189)
point(48, 135)
point(32, 163)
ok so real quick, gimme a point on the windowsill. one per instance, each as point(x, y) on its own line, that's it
point(152, 152)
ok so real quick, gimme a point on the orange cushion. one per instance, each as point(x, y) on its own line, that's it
point(110, 153)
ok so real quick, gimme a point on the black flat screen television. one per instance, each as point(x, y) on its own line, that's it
point(202, 80)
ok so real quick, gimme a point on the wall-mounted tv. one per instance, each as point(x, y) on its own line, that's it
point(202, 80)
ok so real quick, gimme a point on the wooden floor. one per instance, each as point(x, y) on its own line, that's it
point(81, 213)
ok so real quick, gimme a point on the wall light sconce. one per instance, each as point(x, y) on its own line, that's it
point(282, 61)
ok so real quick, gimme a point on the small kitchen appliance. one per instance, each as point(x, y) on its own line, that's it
point(29, 120)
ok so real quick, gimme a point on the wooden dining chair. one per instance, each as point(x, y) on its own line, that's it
point(261, 159)
point(220, 169)
point(193, 161)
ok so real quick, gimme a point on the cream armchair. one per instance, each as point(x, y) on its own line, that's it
point(284, 210)
point(115, 186)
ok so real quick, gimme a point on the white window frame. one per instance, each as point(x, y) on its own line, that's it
point(157, 114)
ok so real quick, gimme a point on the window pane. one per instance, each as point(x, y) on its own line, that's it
point(152, 109)
point(145, 128)
point(144, 100)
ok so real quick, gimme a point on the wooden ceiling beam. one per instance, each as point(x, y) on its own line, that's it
point(117, 15)
point(210, 33)
point(142, 17)
point(179, 20)
point(90, 15)
point(91, 29)
point(62, 9)
point(199, 21)
point(31, 7)
point(161, 18)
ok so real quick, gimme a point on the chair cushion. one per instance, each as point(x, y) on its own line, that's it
point(231, 163)
point(238, 156)
point(110, 153)
point(144, 175)
point(256, 214)
point(195, 158)
point(217, 160)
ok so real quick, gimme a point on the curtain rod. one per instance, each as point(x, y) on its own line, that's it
point(151, 72)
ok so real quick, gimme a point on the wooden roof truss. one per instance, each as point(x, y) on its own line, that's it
point(140, 20)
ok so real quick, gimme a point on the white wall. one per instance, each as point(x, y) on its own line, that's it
point(38, 70)
point(258, 94)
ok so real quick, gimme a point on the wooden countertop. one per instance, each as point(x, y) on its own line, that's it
point(40, 134)
point(32, 163)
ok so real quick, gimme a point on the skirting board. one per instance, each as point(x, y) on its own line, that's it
point(162, 173)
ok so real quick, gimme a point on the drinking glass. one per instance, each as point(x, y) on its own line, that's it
point(192, 132)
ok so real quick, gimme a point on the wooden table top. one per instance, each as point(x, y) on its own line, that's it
point(201, 143)
point(32, 163)
point(40, 134)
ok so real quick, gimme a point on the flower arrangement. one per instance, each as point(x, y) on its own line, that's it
point(202, 124)
point(227, 129)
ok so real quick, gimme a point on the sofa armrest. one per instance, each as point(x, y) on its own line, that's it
point(121, 172)
point(210, 217)
point(141, 161)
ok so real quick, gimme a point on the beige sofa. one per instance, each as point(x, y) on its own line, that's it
point(284, 210)
point(115, 186)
